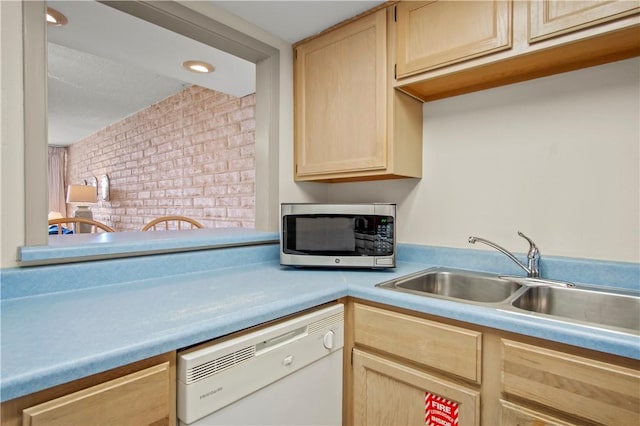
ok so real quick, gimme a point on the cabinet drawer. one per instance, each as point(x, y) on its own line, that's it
point(137, 399)
point(448, 348)
point(513, 414)
point(598, 391)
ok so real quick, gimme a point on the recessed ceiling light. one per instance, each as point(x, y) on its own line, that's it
point(198, 66)
point(55, 18)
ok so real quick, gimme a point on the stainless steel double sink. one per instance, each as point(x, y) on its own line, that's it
point(539, 297)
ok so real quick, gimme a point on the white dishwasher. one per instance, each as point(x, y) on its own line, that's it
point(289, 373)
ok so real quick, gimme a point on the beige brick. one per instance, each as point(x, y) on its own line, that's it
point(248, 125)
point(185, 202)
point(175, 192)
point(248, 201)
point(241, 114)
point(226, 154)
point(193, 192)
point(242, 164)
point(193, 148)
point(226, 131)
point(227, 201)
point(242, 139)
point(215, 212)
point(204, 202)
point(225, 178)
point(228, 106)
point(205, 158)
point(215, 190)
point(216, 167)
point(202, 180)
point(241, 188)
point(181, 160)
point(248, 176)
point(248, 151)
point(240, 213)
point(194, 170)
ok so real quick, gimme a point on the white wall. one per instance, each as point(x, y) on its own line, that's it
point(557, 158)
point(11, 133)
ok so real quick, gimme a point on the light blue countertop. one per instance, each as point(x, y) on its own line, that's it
point(70, 248)
point(62, 334)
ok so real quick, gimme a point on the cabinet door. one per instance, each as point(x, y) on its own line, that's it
point(140, 398)
point(340, 99)
point(389, 393)
point(549, 18)
point(432, 34)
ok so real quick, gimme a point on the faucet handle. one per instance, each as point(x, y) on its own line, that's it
point(532, 246)
point(533, 256)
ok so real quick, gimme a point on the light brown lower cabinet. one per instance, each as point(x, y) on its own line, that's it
point(139, 394)
point(492, 377)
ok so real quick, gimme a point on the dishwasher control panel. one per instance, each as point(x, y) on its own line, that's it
point(217, 374)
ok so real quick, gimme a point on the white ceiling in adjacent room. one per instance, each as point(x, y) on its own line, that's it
point(105, 64)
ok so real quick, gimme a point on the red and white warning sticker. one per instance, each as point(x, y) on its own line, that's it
point(439, 411)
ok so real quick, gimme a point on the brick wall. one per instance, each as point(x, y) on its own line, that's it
point(191, 154)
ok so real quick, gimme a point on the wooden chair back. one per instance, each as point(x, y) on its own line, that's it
point(181, 222)
point(95, 225)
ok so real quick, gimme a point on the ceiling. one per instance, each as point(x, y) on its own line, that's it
point(293, 21)
point(105, 65)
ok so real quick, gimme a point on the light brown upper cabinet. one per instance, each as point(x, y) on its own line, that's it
point(448, 48)
point(549, 18)
point(433, 34)
point(350, 124)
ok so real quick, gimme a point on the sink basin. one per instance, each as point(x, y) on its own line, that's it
point(456, 284)
point(601, 308)
point(560, 300)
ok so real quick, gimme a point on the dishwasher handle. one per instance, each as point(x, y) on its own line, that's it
point(281, 340)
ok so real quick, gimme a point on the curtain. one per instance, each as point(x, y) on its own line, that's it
point(57, 155)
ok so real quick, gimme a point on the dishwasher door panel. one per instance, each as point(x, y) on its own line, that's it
point(310, 396)
point(289, 373)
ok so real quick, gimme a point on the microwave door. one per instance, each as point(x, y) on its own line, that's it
point(319, 235)
point(325, 235)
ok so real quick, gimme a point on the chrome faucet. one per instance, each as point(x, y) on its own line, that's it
point(533, 256)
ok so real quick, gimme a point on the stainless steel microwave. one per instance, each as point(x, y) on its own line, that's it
point(338, 235)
